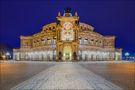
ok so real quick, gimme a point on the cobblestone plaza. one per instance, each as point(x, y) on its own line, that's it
point(110, 75)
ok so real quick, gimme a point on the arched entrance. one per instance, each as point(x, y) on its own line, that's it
point(67, 53)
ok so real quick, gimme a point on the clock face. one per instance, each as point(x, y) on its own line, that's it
point(67, 33)
point(67, 25)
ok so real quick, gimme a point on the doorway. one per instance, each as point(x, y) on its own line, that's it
point(67, 53)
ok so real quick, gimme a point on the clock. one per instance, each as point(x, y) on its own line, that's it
point(67, 25)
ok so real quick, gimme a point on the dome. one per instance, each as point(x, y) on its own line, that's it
point(82, 26)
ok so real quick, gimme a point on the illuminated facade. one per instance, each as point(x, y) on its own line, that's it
point(67, 39)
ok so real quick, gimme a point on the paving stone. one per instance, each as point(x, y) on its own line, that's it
point(66, 75)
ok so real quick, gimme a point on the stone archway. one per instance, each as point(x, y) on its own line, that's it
point(67, 53)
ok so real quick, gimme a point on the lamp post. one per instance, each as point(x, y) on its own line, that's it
point(127, 55)
point(3, 57)
point(8, 56)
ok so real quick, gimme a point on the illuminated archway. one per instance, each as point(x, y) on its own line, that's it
point(67, 53)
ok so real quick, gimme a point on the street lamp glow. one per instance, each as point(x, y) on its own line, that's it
point(3, 56)
point(7, 53)
point(127, 54)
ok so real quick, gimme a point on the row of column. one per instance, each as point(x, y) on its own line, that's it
point(98, 55)
point(36, 55)
point(91, 42)
point(45, 42)
point(50, 55)
point(53, 41)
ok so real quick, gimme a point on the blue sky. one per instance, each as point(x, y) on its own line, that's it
point(107, 16)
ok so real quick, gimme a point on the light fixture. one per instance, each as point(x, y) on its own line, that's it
point(3, 56)
point(7, 53)
point(127, 54)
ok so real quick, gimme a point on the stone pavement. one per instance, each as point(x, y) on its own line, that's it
point(66, 75)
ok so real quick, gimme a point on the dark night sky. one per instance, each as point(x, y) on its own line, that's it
point(108, 17)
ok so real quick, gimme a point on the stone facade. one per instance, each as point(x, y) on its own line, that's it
point(67, 39)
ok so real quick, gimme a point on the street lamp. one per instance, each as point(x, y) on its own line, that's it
point(8, 55)
point(3, 57)
point(127, 54)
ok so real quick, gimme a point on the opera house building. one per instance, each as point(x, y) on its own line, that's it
point(67, 39)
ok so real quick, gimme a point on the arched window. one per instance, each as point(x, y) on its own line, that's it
point(92, 42)
point(85, 41)
point(50, 28)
